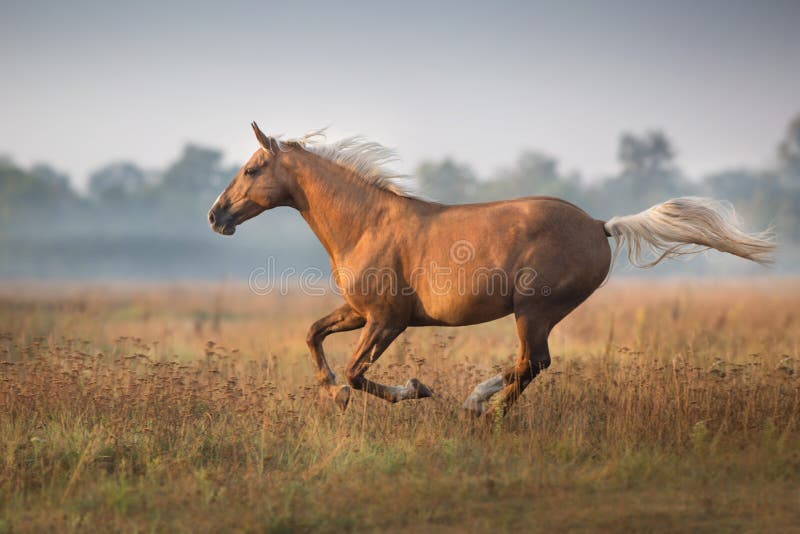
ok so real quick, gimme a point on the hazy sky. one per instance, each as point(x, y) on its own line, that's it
point(87, 83)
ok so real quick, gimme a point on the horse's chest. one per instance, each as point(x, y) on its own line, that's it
point(366, 281)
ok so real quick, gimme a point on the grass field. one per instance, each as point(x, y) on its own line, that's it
point(669, 406)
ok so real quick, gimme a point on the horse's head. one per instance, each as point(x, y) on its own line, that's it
point(261, 184)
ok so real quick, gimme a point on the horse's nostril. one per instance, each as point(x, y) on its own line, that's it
point(211, 217)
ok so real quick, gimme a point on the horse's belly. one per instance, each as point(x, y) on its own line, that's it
point(456, 309)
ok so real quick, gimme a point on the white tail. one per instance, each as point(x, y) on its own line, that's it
point(687, 226)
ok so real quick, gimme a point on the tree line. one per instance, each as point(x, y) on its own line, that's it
point(137, 222)
point(648, 174)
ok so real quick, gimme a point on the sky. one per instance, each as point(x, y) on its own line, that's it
point(87, 83)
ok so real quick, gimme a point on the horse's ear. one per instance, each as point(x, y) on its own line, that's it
point(267, 143)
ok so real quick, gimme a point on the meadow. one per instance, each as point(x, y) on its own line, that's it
point(670, 405)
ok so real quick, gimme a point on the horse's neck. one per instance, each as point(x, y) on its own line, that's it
point(340, 208)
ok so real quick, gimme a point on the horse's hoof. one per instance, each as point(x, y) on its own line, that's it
point(342, 398)
point(418, 389)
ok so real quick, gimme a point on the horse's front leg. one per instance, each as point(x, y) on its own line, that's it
point(342, 319)
point(374, 340)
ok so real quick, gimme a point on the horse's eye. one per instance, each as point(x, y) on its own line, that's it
point(249, 171)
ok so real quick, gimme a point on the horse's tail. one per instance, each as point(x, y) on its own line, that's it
point(687, 226)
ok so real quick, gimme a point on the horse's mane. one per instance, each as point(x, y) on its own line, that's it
point(367, 160)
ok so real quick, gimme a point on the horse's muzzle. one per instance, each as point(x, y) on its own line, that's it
point(221, 221)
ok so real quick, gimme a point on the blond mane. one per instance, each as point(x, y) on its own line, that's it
point(367, 160)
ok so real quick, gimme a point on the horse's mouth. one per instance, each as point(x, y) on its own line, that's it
point(224, 229)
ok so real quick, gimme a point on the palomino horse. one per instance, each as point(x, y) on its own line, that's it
point(401, 261)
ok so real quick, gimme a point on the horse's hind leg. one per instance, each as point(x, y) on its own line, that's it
point(477, 402)
point(533, 356)
point(375, 338)
point(342, 319)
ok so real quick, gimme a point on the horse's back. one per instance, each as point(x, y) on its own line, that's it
point(525, 221)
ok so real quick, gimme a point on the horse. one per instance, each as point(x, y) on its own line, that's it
point(402, 261)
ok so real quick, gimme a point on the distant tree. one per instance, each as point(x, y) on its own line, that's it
point(786, 188)
point(116, 182)
point(447, 181)
point(14, 183)
point(29, 194)
point(56, 180)
point(645, 160)
point(198, 171)
point(648, 170)
point(789, 153)
point(648, 175)
point(648, 154)
point(534, 173)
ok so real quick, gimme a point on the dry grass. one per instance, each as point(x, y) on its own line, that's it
point(174, 408)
